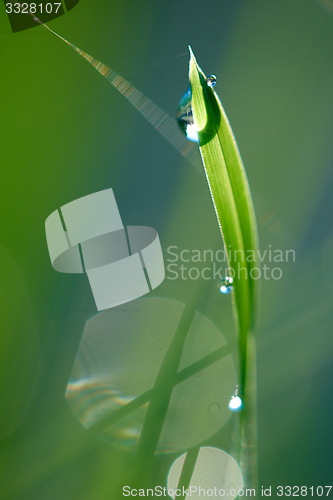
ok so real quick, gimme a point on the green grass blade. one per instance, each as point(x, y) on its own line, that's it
point(231, 198)
point(233, 205)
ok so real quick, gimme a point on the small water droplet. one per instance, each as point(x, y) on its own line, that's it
point(211, 80)
point(225, 284)
point(235, 403)
point(185, 118)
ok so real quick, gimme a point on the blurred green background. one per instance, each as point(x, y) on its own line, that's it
point(66, 133)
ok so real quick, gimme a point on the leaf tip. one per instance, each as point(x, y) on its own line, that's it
point(192, 56)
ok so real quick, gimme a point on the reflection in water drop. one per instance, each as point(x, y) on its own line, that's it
point(225, 284)
point(185, 118)
point(211, 80)
point(235, 403)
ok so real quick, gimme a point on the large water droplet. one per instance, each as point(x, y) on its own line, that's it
point(235, 403)
point(211, 80)
point(185, 118)
point(225, 284)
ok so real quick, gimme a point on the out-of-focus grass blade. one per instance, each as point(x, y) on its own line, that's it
point(233, 205)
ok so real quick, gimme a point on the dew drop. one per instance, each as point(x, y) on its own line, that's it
point(225, 284)
point(185, 118)
point(235, 403)
point(211, 80)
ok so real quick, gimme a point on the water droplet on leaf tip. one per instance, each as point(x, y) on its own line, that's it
point(185, 118)
point(235, 403)
point(225, 284)
point(211, 80)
